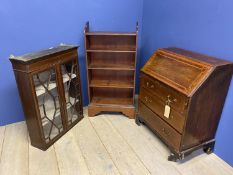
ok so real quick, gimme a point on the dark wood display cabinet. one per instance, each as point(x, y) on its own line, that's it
point(49, 86)
point(111, 70)
point(181, 98)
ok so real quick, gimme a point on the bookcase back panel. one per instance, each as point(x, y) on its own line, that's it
point(111, 92)
point(99, 59)
point(111, 96)
point(112, 75)
point(111, 42)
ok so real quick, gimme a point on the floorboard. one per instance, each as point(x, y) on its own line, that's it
point(122, 154)
point(2, 135)
point(96, 156)
point(69, 156)
point(42, 162)
point(145, 148)
point(218, 165)
point(105, 144)
point(14, 160)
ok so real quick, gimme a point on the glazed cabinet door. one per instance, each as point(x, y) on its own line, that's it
point(49, 103)
point(72, 91)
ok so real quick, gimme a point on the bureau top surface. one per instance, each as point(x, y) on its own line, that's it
point(183, 70)
point(36, 56)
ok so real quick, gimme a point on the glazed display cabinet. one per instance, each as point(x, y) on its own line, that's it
point(49, 86)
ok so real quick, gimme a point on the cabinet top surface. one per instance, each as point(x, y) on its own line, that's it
point(36, 56)
point(183, 70)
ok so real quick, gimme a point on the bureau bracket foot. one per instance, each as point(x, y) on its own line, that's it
point(138, 121)
point(174, 157)
point(209, 148)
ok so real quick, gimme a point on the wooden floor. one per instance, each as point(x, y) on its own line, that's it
point(107, 144)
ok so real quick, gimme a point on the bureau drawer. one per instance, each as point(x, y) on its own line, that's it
point(177, 100)
point(169, 135)
point(175, 119)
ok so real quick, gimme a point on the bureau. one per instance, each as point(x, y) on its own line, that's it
point(181, 98)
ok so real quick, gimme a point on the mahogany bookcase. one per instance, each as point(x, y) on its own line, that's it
point(111, 70)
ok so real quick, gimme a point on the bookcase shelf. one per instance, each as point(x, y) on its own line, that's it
point(112, 84)
point(111, 101)
point(111, 68)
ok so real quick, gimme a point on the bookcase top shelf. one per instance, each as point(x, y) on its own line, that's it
point(111, 33)
point(111, 50)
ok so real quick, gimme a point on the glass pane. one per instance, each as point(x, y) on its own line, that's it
point(48, 100)
point(72, 91)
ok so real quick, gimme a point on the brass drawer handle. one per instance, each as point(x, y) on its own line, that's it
point(167, 133)
point(147, 99)
point(149, 85)
point(170, 100)
point(157, 84)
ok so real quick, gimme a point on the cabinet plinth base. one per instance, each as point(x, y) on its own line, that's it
point(94, 110)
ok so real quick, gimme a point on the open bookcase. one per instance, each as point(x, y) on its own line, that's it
point(111, 70)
